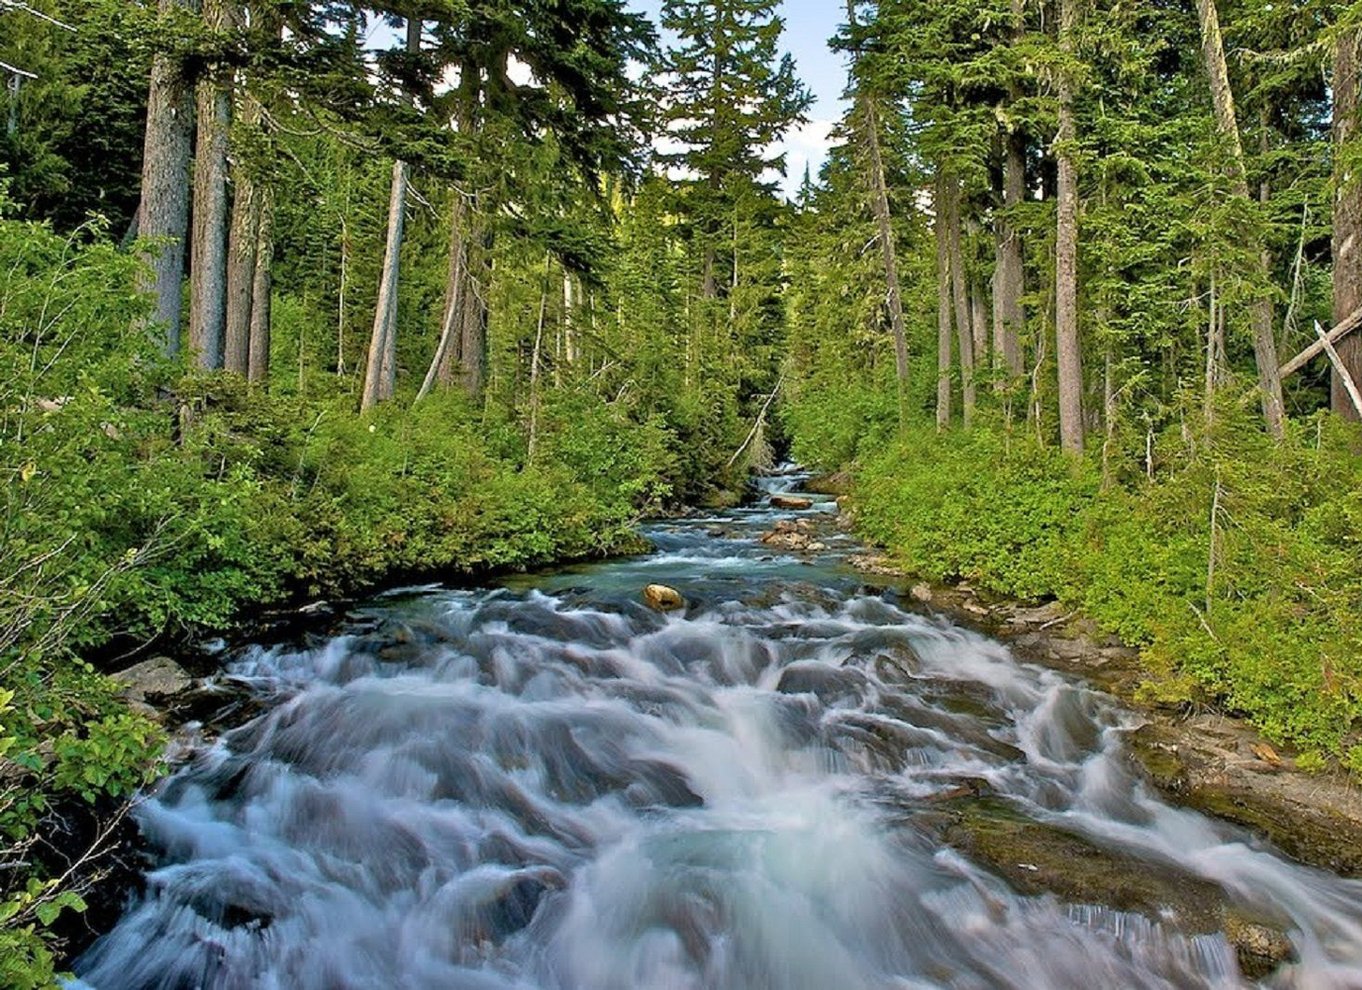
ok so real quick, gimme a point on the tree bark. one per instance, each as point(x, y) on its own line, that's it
point(208, 249)
point(1260, 309)
point(1347, 235)
point(535, 351)
point(262, 285)
point(380, 371)
point(943, 301)
point(1067, 346)
point(884, 220)
point(1009, 274)
point(473, 344)
point(960, 294)
point(978, 304)
point(242, 242)
point(163, 212)
point(381, 366)
point(1009, 284)
point(451, 322)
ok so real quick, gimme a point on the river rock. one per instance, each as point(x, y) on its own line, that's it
point(1260, 948)
point(786, 540)
point(153, 680)
point(663, 598)
point(791, 502)
point(1037, 858)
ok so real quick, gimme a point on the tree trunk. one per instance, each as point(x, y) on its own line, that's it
point(1009, 283)
point(242, 242)
point(451, 323)
point(262, 285)
point(534, 361)
point(243, 239)
point(889, 252)
point(473, 343)
point(163, 213)
point(342, 294)
point(1009, 275)
point(381, 366)
point(1347, 236)
point(978, 304)
point(380, 370)
point(1260, 309)
point(943, 302)
point(1067, 347)
point(963, 331)
point(571, 343)
point(208, 250)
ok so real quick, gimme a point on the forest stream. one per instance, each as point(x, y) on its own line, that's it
point(798, 781)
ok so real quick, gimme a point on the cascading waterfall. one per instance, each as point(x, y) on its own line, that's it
point(547, 785)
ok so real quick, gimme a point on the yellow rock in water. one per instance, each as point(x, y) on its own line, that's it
point(663, 598)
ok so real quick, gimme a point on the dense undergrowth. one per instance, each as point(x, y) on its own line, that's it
point(1259, 612)
point(142, 505)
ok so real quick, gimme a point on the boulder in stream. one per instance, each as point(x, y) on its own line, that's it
point(663, 598)
point(791, 502)
point(153, 680)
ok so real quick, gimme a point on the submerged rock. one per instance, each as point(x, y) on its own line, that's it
point(663, 598)
point(1037, 858)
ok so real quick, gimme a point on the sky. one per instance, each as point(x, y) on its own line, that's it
point(808, 26)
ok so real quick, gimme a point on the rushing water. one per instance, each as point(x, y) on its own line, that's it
point(547, 785)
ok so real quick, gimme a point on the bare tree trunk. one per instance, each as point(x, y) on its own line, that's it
point(1260, 309)
point(941, 224)
point(1347, 236)
point(208, 248)
point(378, 371)
point(262, 285)
point(163, 213)
point(451, 323)
point(1067, 347)
point(963, 331)
point(571, 345)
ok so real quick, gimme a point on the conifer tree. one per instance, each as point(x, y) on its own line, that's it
point(729, 97)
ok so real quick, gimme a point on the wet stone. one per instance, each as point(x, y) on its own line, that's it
point(663, 598)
